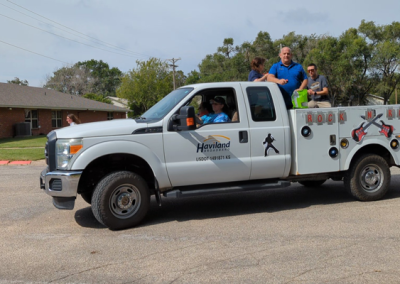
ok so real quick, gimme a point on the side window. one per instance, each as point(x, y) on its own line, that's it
point(56, 119)
point(219, 105)
point(31, 116)
point(261, 105)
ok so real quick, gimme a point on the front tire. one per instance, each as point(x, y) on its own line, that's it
point(121, 200)
point(368, 178)
point(87, 196)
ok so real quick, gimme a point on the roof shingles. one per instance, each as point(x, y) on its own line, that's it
point(12, 95)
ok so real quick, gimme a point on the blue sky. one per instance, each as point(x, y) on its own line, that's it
point(120, 32)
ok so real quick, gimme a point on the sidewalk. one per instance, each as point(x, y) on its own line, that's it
point(23, 163)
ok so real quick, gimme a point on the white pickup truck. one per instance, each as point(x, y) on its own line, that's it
point(117, 165)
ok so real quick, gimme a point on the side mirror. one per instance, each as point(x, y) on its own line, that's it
point(186, 118)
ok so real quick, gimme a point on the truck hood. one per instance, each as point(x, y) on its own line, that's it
point(93, 129)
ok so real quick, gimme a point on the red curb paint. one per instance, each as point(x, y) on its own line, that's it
point(4, 162)
point(20, 163)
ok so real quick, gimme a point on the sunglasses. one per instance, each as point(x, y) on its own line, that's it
point(216, 104)
point(311, 70)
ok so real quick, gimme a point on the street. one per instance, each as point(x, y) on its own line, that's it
point(290, 235)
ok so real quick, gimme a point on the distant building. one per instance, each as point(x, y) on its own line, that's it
point(119, 102)
point(374, 100)
point(45, 109)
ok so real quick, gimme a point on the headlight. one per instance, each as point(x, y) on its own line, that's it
point(66, 150)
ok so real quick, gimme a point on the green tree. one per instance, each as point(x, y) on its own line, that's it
point(107, 79)
point(71, 80)
point(385, 63)
point(17, 81)
point(95, 97)
point(145, 85)
point(345, 62)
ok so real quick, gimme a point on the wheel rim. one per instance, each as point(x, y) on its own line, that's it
point(371, 178)
point(125, 201)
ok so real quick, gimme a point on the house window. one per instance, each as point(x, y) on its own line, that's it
point(56, 119)
point(31, 116)
point(110, 115)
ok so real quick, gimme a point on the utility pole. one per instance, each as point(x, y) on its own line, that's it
point(173, 68)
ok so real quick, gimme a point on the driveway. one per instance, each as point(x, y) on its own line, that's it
point(292, 235)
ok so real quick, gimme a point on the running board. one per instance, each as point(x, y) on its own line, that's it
point(226, 189)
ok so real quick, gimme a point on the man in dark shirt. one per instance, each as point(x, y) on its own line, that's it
point(317, 88)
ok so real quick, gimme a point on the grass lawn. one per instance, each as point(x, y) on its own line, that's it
point(22, 149)
point(22, 154)
point(26, 142)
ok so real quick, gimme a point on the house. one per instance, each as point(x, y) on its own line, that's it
point(44, 109)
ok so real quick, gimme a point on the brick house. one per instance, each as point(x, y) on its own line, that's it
point(46, 109)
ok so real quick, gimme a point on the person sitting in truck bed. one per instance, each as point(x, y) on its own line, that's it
point(219, 112)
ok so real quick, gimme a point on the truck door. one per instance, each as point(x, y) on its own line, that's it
point(212, 153)
point(268, 150)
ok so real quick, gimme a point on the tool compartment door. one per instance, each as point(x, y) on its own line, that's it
point(310, 154)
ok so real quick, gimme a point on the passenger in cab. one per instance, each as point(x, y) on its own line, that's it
point(219, 112)
point(204, 108)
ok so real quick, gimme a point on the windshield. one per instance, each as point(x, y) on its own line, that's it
point(160, 109)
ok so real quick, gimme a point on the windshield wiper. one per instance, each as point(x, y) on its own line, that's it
point(141, 118)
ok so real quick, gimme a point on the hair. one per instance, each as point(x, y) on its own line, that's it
point(285, 47)
point(206, 105)
point(312, 64)
point(256, 62)
point(74, 118)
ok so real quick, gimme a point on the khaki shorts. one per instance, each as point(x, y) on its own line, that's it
point(312, 104)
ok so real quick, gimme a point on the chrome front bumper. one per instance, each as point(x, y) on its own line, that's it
point(60, 183)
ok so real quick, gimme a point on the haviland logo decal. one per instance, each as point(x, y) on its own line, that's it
point(214, 143)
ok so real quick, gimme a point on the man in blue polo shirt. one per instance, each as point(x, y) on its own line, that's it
point(289, 76)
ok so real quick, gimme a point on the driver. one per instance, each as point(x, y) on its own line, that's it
point(219, 112)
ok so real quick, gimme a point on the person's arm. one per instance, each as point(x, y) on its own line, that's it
point(324, 92)
point(303, 85)
point(272, 78)
point(262, 79)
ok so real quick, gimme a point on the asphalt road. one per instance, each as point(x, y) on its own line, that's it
point(292, 235)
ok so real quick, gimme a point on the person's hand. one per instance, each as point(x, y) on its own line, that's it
point(310, 92)
point(282, 81)
point(299, 90)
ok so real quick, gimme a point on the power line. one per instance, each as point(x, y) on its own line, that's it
point(52, 25)
point(66, 37)
point(77, 31)
point(33, 52)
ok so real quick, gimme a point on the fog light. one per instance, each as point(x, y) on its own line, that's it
point(394, 144)
point(344, 143)
point(333, 152)
point(306, 131)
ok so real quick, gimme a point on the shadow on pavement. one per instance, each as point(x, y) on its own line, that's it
point(217, 206)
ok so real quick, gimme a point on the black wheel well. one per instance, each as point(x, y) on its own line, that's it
point(104, 165)
point(377, 150)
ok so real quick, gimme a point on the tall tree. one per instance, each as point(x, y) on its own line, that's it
point(71, 80)
point(146, 84)
point(385, 63)
point(17, 81)
point(107, 79)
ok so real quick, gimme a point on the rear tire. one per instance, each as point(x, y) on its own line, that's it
point(121, 200)
point(368, 178)
point(312, 183)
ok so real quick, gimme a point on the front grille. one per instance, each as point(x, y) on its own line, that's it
point(46, 153)
point(51, 150)
point(55, 184)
